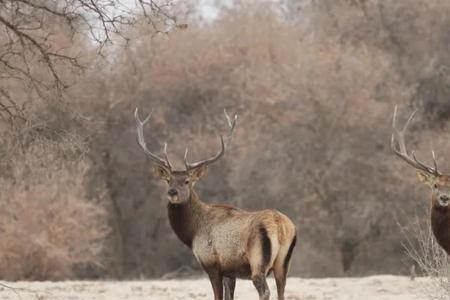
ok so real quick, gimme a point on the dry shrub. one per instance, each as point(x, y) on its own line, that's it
point(49, 227)
point(431, 259)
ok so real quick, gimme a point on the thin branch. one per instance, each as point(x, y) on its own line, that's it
point(28, 44)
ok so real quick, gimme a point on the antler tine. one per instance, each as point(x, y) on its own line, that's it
point(185, 158)
point(141, 140)
point(424, 166)
point(190, 166)
point(409, 120)
point(434, 162)
point(231, 125)
point(166, 157)
point(400, 150)
point(394, 118)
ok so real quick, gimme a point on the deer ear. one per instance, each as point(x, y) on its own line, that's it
point(161, 173)
point(426, 178)
point(199, 172)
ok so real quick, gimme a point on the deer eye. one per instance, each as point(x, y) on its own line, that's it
point(186, 181)
point(435, 186)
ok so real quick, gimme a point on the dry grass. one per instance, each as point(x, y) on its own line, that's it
point(430, 258)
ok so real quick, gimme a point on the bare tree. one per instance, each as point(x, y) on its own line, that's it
point(36, 39)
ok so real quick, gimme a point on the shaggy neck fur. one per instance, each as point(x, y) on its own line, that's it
point(185, 218)
point(440, 224)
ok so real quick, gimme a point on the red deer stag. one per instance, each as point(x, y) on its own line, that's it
point(227, 242)
point(439, 184)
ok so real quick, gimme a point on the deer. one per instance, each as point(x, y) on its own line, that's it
point(227, 242)
point(433, 178)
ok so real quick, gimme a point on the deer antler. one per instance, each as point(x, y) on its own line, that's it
point(231, 125)
point(401, 151)
point(165, 163)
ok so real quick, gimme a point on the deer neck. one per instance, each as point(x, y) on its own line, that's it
point(440, 224)
point(185, 218)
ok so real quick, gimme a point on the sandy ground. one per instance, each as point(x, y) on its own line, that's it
point(366, 288)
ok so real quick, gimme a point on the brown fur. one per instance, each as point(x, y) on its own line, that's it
point(440, 214)
point(440, 224)
point(229, 242)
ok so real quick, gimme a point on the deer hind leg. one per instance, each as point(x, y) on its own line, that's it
point(260, 255)
point(229, 284)
point(281, 267)
point(260, 283)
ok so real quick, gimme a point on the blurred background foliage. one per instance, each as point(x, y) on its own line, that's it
point(314, 84)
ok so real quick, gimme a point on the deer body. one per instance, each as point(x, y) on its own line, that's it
point(228, 242)
point(226, 237)
point(440, 221)
point(440, 225)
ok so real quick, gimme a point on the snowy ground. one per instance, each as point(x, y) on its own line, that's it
point(365, 288)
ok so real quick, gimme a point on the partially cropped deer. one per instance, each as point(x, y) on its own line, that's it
point(227, 242)
point(439, 184)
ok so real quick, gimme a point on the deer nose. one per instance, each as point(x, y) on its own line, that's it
point(172, 192)
point(444, 198)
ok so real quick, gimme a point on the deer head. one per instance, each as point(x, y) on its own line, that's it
point(439, 183)
point(180, 182)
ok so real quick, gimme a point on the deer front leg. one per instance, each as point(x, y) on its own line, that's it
point(216, 281)
point(229, 283)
